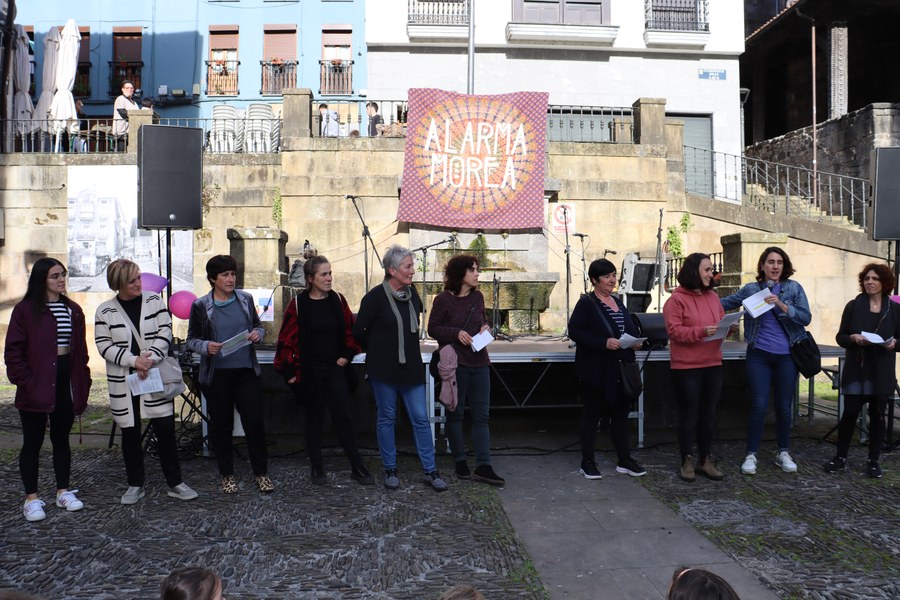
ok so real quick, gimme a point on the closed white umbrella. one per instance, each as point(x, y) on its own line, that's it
point(48, 78)
point(62, 109)
point(23, 108)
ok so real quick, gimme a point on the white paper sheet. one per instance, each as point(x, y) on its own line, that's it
point(234, 344)
point(628, 341)
point(481, 340)
point(138, 386)
point(876, 339)
point(723, 326)
point(756, 304)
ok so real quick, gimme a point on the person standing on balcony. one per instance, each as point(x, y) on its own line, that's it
point(329, 123)
point(769, 363)
point(123, 104)
point(375, 119)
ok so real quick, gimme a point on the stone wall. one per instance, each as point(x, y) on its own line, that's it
point(845, 144)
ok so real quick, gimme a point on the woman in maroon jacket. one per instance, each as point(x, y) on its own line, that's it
point(456, 316)
point(46, 358)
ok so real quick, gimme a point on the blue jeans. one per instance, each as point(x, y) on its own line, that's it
point(778, 372)
point(473, 386)
point(414, 401)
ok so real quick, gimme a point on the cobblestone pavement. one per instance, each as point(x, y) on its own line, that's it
point(806, 535)
point(337, 541)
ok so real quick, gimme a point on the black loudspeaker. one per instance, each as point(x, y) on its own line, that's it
point(653, 327)
point(170, 177)
point(886, 195)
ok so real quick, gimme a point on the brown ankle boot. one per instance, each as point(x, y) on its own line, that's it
point(687, 469)
point(710, 470)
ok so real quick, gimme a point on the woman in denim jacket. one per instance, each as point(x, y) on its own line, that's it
point(769, 364)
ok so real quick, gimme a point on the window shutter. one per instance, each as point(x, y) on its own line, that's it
point(84, 50)
point(279, 43)
point(223, 37)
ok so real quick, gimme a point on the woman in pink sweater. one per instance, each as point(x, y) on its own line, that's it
point(691, 316)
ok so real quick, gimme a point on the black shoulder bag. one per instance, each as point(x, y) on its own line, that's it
point(629, 372)
point(805, 353)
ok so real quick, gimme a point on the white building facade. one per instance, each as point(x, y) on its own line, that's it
point(585, 53)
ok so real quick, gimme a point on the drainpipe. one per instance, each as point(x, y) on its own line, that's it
point(470, 80)
point(815, 142)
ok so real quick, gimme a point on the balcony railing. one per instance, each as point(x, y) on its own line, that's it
point(776, 188)
point(590, 124)
point(277, 75)
point(222, 77)
point(676, 15)
point(438, 12)
point(120, 71)
point(336, 77)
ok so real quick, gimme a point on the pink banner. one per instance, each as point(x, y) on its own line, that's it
point(474, 162)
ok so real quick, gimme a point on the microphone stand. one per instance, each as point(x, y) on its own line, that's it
point(584, 271)
point(495, 311)
point(568, 267)
point(367, 239)
point(424, 250)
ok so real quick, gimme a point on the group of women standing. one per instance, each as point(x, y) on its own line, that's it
point(692, 315)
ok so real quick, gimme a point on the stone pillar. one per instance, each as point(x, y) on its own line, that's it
point(297, 113)
point(837, 71)
point(260, 255)
point(649, 121)
point(740, 258)
point(136, 120)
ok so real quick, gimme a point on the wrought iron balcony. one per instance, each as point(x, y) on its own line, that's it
point(222, 77)
point(336, 77)
point(438, 12)
point(277, 75)
point(677, 15)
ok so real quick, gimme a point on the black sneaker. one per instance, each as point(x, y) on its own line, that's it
point(361, 474)
point(873, 469)
point(391, 481)
point(630, 467)
point(835, 464)
point(317, 475)
point(462, 470)
point(485, 473)
point(589, 470)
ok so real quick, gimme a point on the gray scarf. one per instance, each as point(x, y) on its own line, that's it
point(403, 295)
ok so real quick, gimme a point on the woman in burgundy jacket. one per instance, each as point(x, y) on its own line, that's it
point(46, 358)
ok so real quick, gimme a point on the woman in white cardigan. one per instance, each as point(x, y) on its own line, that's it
point(123, 355)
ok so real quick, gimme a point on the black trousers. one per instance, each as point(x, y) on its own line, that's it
point(598, 402)
point(321, 387)
point(133, 451)
point(852, 407)
point(34, 427)
point(697, 394)
point(241, 389)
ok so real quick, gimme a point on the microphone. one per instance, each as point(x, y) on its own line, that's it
point(349, 197)
point(605, 252)
point(581, 235)
point(770, 284)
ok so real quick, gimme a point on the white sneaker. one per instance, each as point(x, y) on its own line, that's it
point(783, 461)
point(182, 491)
point(34, 510)
point(68, 501)
point(749, 466)
point(132, 495)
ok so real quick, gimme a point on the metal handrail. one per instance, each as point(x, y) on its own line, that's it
point(775, 187)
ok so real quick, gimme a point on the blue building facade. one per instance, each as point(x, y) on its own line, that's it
point(190, 56)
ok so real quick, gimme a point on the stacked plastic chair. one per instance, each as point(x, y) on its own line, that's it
point(223, 134)
point(258, 128)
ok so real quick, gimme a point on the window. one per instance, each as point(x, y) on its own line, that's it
point(279, 64)
point(676, 15)
point(569, 12)
point(126, 64)
point(222, 66)
point(82, 88)
point(336, 66)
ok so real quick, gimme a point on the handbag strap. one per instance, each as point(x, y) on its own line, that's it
point(137, 335)
point(611, 334)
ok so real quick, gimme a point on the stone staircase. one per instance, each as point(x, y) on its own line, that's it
point(757, 196)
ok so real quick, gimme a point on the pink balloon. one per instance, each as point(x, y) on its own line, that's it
point(180, 304)
point(896, 299)
point(151, 282)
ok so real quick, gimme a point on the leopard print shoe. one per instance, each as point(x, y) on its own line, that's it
point(229, 485)
point(264, 484)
